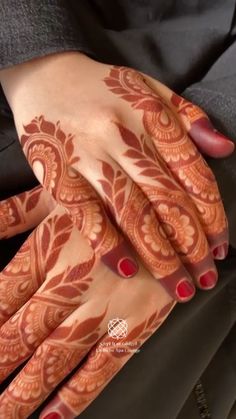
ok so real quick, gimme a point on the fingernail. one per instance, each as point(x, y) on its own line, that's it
point(221, 251)
point(185, 289)
point(52, 415)
point(127, 267)
point(120, 261)
point(208, 280)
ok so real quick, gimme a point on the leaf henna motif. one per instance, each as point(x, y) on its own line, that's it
point(53, 360)
point(53, 302)
point(114, 188)
point(101, 366)
point(173, 145)
point(48, 147)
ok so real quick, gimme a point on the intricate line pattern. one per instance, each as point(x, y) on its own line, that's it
point(173, 144)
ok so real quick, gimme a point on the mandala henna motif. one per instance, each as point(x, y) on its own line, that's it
point(173, 145)
point(178, 221)
point(131, 209)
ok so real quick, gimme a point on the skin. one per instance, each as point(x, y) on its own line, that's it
point(57, 298)
point(56, 302)
point(130, 138)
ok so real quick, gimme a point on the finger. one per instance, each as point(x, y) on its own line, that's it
point(105, 360)
point(66, 263)
point(174, 209)
point(51, 154)
point(23, 276)
point(180, 155)
point(53, 360)
point(134, 215)
point(207, 138)
point(24, 211)
point(71, 189)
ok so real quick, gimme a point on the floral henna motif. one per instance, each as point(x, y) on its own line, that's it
point(173, 145)
point(133, 211)
point(102, 365)
point(179, 223)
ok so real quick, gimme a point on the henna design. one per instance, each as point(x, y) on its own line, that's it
point(175, 211)
point(9, 215)
point(132, 210)
point(101, 366)
point(58, 296)
point(22, 212)
point(173, 145)
point(19, 280)
point(53, 360)
point(50, 152)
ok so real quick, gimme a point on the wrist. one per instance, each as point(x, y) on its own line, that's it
point(23, 82)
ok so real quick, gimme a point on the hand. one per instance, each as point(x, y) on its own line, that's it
point(57, 299)
point(130, 137)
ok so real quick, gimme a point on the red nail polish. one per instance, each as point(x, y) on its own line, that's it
point(185, 289)
point(221, 251)
point(52, 415)
point(208, 280)
point(127, 267)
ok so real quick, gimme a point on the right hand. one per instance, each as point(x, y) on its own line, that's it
point(57, 299)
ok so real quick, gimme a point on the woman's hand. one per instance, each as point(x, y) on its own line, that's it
point(60, 303)
point(130, 137)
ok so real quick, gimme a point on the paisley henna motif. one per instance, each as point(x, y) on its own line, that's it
point(50, 153)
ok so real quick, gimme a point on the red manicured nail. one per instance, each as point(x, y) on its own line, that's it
point(52, 415)
point(221, 251)
point(127, 267)
point(185, 289)
point(208, 280)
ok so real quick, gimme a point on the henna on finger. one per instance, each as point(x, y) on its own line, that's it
point(59, 294)
point(137, 219)
point(50, 153)
point(104, 361)
point(53, 360)
point(207, 138)
point(24, 211)
point(175, 148)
